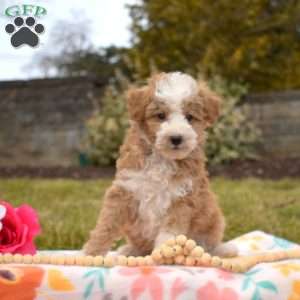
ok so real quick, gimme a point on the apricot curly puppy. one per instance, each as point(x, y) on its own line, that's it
point(161, 187)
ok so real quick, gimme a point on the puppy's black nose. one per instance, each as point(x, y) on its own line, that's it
point(176, 139)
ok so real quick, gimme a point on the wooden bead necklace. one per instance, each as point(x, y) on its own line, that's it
point(177, 251)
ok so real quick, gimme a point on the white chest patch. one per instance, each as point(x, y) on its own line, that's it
point(154, 190)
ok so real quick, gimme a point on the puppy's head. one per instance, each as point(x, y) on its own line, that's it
point(173, 111)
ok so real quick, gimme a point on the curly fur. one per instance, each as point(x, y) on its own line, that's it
point(161, 189)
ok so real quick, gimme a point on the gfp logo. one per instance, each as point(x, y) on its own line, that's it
point(25, 30)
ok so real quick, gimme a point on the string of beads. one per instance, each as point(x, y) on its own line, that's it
point(177, 251)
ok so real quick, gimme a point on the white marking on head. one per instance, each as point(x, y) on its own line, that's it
point(175, 87)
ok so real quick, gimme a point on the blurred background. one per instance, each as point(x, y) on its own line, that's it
point(63, 117)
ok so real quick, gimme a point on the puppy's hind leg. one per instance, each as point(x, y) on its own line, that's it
point(211, 238)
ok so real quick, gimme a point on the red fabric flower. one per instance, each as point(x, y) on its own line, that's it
point(147, 278)
point(211, 291)
point(19, 228)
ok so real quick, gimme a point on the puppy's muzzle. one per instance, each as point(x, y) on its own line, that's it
point(176, 140)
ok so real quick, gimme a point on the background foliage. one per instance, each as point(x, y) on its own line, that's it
point(107, 127)
point(233, 135)
point(252, 41)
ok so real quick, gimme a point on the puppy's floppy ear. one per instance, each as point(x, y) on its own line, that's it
point(211, 104)
point(137, 99)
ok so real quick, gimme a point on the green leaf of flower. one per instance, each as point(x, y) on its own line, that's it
point(267, 285)
point(246, 284)
point(88, 290)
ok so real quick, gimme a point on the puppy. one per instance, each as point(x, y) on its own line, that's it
point(161, 187)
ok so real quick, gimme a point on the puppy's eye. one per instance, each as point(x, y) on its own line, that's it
point(189, 117)
point(161, 116)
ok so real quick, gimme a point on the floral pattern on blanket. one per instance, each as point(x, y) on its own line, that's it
point(279, 280)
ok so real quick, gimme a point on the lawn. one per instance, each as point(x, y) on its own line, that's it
point(68, 209)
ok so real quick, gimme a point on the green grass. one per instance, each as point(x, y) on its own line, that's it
point(68, 209)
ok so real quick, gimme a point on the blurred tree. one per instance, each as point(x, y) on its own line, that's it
point(67, 40)
point(252, 41)
point(72, 54)
point(101, 63)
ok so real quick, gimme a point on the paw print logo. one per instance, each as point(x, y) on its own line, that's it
point(24, 32)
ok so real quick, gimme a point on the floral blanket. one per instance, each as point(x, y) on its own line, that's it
point(280, 280)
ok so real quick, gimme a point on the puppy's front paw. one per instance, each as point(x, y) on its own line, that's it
point(128, 250)
point(90, 249)
point(113, 253)
point(225, 250)
point(162, 238)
